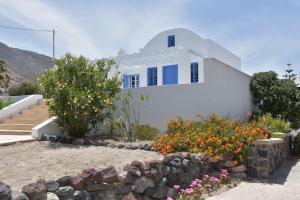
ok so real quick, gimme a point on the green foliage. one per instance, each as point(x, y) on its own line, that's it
point(297, 144)
point(146, 132)
point(4, 76)
point(80, 93)
point(5, 104)
point(274, 124)
point(278, 135)
point(131, 114)
point(25, 88)
point(277, 97)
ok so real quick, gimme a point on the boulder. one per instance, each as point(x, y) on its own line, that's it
point(5, 191)
point(64, 181)
point(129, 196)
point(19, 196)
point(110, 175)
point(82, 195)
point(78, 141)
point(77, 182)
point(35, 191)
point(52, 186)
point(229, 163)
point(125, 189)
point(240, 168)
point(98, 187)
point(88, 175)
point(66, 192)
point(142, 183)
point(52, 196)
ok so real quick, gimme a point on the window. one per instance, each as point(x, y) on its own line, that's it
point(152, 76)
point(134, 81)
point(170, 74)
point(171, 41)
point(194, 72)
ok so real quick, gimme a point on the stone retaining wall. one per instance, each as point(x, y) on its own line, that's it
point(149, 180)
point(265, 156)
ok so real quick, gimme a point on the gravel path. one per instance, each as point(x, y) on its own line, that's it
point(284, 186)
point(23, 163)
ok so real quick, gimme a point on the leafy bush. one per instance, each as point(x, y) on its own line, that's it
point(5, 104)
point(80, 93)
point(25, 88)
point(214, 136)
point(278, 135)
point(274, 124)
point(146, 132)
point(277, 97)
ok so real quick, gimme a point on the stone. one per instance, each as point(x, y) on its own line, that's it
point(129, 196)
point(64, 181)
point(229, 163)
point(110, 175)
point(35, 191)
point(100, 195)
point(128, 146)
point(120, 146)
point(52, 196)
point(161, 192)
point(52, 186)
point(101, 143)
point(125, 189)
point(239, 175)
point(240, 168)
point(88, 175)
point(262, 153)
point(142, 183)
point(111, 145)
point(77, 182)
point(176, 162)
point(82, 195)
point(19, 196)
point(66, 192)
point(147, 147)
point(138, 165)
point(98, 187)
point(78, 141)
point(5, 191)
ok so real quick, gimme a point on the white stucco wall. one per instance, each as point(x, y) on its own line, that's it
point(189, 47)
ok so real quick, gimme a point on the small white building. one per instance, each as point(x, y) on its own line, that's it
point(174, 56)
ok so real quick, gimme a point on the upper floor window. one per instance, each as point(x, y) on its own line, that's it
point(171, 41)
point(152, 76)
point(134, 81)
point(194, 72)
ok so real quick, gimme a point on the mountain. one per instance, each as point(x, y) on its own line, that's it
point(22, 64)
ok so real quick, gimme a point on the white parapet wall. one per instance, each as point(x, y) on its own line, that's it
point(48, 127)
point(19, 106)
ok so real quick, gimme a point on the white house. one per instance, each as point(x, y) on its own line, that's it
point(175, 56)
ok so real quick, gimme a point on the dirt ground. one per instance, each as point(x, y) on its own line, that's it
point(23, 163)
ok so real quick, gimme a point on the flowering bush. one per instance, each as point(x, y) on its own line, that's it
point(80, 93)
point(199, 187)
point(214, 136)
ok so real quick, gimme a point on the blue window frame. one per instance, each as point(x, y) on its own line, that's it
point(171, 41)
point(194, 72)
point(126, 81)
point(152, 76)
point(170, 74)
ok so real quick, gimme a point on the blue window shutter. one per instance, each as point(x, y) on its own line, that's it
point(126, 81)
point(138, 80)
point(170, 74)
point(194, 72)
point(171, 41)
point(152, 76)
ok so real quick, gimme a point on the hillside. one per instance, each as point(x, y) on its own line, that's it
point(23, 64)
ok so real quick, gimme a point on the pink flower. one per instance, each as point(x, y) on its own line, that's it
point(170, 198)
point(177, 187)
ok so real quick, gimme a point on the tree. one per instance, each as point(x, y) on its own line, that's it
point(275, 96)
point(80, 93)
point(289, 73)
point(4, 76)
point(24, 88)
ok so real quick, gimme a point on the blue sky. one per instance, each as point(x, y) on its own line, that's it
point(264, 33)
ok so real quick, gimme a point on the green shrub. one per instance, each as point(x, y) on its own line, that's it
point(80, 93)
point(274, 124)
point(278, 135)
point(25, 88)
point(5, 104)
point(276, 96)
point(297, 144)
point(146, 132)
